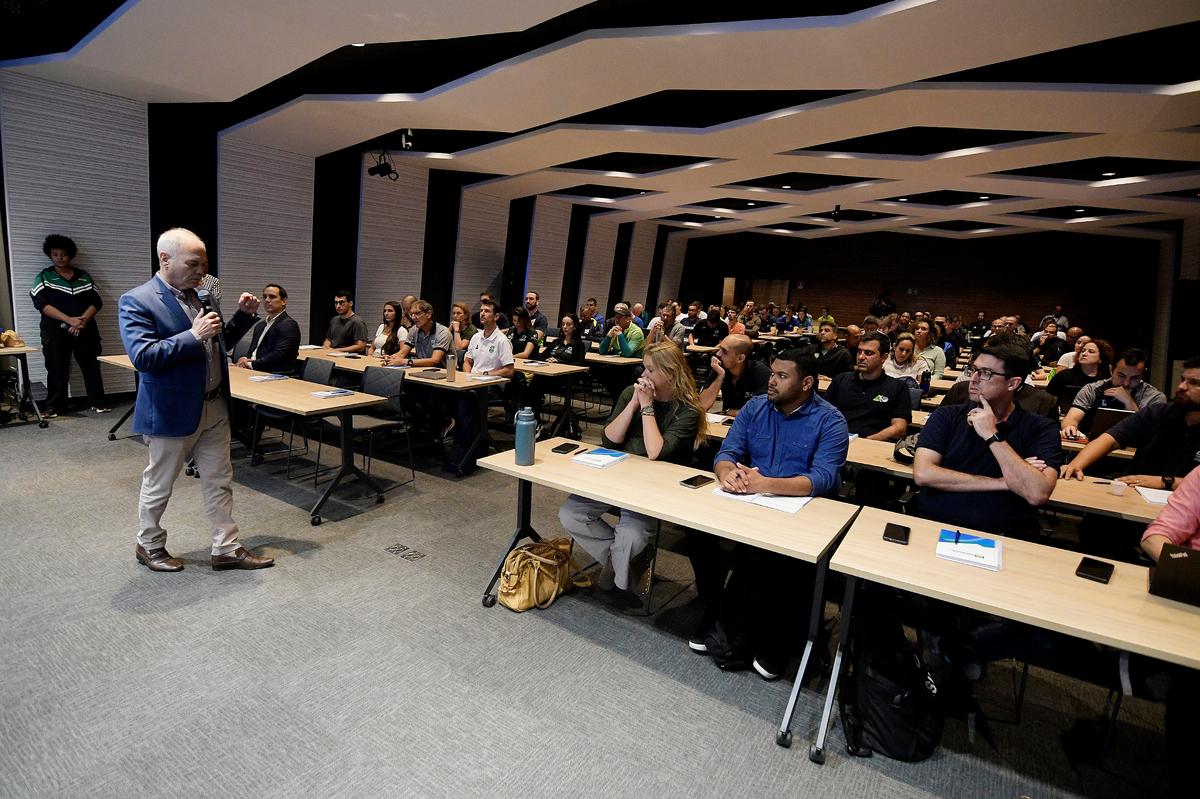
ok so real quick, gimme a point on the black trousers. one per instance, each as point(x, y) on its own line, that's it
point(57, 347)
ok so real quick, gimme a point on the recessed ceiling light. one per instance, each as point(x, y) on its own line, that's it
point(903, 199)
point(1080, 210)
point(749, 204)
point(785, 187)
point(780, 230)
point(603, 200)
point(984, 197)
point(359, 44)
point(1108, 174)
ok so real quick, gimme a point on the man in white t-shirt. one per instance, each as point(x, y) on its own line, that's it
point(489, 353)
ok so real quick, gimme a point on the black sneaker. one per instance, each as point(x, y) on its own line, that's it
point(769, 668)
point(698, 643)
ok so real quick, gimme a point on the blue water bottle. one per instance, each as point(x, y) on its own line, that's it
point(526, 430)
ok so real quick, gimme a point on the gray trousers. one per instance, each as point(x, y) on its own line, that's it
point(209, 445)
point(582, 519)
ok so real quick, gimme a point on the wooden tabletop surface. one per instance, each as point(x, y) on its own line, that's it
point(291, 395)
point(17, 350)
point(1036, 584)
point(652, 488)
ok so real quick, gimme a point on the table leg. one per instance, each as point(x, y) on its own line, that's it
point(524, 530)
point(347, 467)
point(817, 753)
point(112, 431)
point(27, 390)
point(784, 736)
point(567, 422)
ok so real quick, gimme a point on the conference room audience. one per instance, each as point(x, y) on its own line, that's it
point(569, 348)
point(1179, 522)
point(927, 344)
point(1124, 390)
point(853, 337)
point(589, 326)
point(1067, 359)
point(462, 329)
point(1049, 344)
point(67, 302)
point(274, 341)
point(641, 317)
point(832, 357)
point(405, 304)
point(692, 318)
point(624, 337)
point(596, 312)
point(391, 333)
point(824, 317)
point(735, 325)
point(347, 330)
point(988, 464)
point(734, 376)
point(489, 352)
point(522, 336)
point(788, 442)
point(1090, 365)
point(658, 417)
point(428, 342)
point(875, 405)
point(501, 320)
point(979, 328)
point(870, 324)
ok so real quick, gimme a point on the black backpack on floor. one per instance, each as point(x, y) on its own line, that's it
point(889, 700)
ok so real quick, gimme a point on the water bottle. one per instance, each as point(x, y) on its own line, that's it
point(451, 365)
point(925, 378)
point(526, 430)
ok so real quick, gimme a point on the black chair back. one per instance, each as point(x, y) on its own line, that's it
point(317, 370)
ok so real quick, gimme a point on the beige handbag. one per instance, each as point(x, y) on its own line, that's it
point(535, 574)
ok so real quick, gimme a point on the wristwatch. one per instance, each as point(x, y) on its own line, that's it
point(410, 361)
point(992, 439)
point(1168, 482)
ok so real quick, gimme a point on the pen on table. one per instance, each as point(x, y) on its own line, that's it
point(957, 535)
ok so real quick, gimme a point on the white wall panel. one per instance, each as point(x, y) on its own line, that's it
point(672, 271)
point(391, 238)
point(264, 218)
point(479, 256)
point(597, 261)
point(548, 252)
point(641, 255)
point(75, 162)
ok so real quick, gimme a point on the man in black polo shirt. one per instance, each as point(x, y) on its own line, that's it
point(875, 406)
point(832, 358)
point(733, 375)
point(987, 464)
point(711, 331)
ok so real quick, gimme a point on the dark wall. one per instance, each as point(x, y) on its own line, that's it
point(1106, 284)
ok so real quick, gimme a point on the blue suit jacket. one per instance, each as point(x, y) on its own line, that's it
point(170, 361)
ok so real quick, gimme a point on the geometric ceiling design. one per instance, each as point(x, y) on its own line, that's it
point(912, 116)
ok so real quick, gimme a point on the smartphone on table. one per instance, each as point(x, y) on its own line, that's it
point(698, 480)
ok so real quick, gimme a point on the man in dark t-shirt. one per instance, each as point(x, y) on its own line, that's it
point(733, 375)
point(832, 358)
point(711, 331)
point(875, 406)
point(347, 330)
point(988, 464)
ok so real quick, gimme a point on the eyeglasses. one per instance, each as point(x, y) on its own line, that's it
point(341, 302)
point(983, 373)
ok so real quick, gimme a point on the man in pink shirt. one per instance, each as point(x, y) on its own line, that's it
point(1179, 522)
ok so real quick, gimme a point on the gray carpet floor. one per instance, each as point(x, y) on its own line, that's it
point(363, 664)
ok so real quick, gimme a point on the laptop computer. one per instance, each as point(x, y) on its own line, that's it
point(1105, 419)
point(1177, 575)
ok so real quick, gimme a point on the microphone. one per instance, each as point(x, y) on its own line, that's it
point(205, 300)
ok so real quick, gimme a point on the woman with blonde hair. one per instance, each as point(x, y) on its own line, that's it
point(903, 363)
point(658, 417)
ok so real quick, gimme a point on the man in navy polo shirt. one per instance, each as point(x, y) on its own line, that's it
point(986, 464)
point(788, 442)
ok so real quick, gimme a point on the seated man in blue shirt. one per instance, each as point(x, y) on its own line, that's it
point(789, 442)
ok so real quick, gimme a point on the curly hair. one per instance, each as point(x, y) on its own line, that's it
point(56, 241)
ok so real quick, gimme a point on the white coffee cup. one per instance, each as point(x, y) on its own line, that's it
point(1117, 488)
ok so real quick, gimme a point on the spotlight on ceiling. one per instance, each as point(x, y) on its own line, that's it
point(837, 213)
point(383, 167)
point(406, 139)
point(1108, 174)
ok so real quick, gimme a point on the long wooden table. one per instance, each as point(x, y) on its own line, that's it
point(21, 354)
point(653, 488)
point(1084, 496)
point(295, 396)
point(1035, 585)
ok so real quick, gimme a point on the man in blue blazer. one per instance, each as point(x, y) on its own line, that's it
point(177, 345)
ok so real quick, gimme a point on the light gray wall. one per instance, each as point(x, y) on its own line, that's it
point(391, 238)
point(75, 162)
point(548, 252)
point(479, 257)
point(597, 261)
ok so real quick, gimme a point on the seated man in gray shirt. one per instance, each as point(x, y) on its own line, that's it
point(347, 330)
point(1125, 390)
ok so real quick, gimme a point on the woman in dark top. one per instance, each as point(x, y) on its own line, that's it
point(1091, 364)
point(658, 417)
point(570, 347)
point(68, 301)
point(521, 335)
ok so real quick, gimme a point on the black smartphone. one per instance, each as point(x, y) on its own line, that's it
point(563, 449)
point(698, 480)
point(728, 421)
point(896, 533)
point(1092, 569)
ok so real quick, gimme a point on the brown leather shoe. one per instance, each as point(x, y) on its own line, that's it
point(240, 558)
point(157, 560)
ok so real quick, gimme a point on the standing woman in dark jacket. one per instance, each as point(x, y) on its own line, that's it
point(68, 301)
